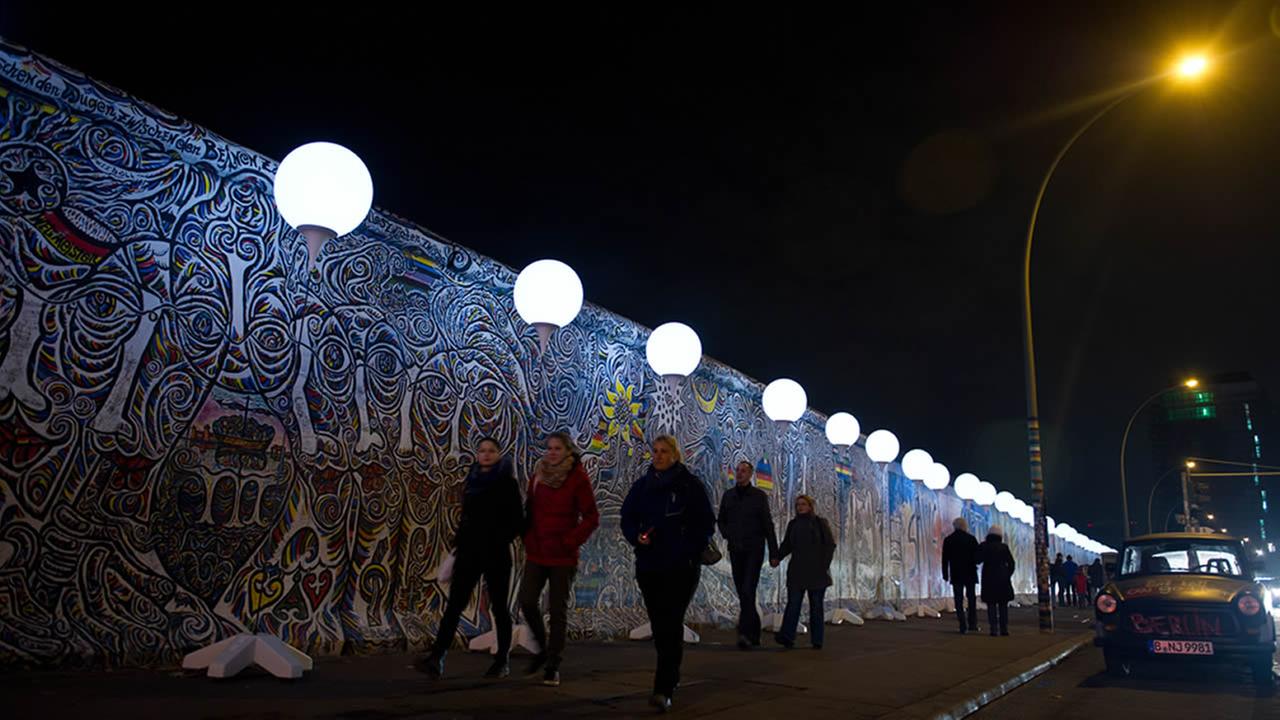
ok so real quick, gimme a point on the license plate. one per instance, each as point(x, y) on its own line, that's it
point(1181, 647)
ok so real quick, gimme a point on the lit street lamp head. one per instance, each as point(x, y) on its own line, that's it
point(1192, 383)
point(1192, 67)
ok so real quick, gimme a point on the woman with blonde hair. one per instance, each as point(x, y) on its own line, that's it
point(811, 545)
point(667, 518)
point(561, 516)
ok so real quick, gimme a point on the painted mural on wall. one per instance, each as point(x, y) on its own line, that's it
point(199, 437)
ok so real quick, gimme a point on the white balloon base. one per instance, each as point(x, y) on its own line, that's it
point(924, 611)
point(645, 632)
point(521, 637)
point(885, 612)
point(839, 616)
point(226, 658)
point(773, 621)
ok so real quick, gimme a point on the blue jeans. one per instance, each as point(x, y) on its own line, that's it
point(791, 616)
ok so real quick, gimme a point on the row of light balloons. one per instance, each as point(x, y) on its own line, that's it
point(324, 190)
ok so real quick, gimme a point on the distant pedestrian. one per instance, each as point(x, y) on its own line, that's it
point(1069, 569)
point(667, 518)
point(997, 579)
point(1097, 577)
point(491, 519)
point(1055, 576)
point(959, 565)
point(747, 526)
point(811, 546)
point(1082, 588)
point(562, 515)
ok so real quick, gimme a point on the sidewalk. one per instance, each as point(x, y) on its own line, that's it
point(877, 670)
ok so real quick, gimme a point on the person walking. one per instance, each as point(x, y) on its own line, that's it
point(668, 520)
point(997, 579)
point(811, 545)
point(1055, 576)
point(491, 519)
point(561, 508)
point(747, 527)
point(1069, 569)
point(959, 565)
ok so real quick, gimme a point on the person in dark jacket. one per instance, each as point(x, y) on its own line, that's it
point(747, 527)
point(667, 518)
point(1069, 570)
point(959, 565)
point(997, 579)
point(561, 516)
point(1055, 577)
point(1097, 576)
point(491, 519)
point(811, 546)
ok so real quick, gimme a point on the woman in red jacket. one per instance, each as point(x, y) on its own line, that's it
point(562, 515)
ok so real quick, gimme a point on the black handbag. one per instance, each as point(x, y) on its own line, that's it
point(711, 554)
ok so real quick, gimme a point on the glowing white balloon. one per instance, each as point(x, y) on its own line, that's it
point(548, 295)
point(915, 463)
point(966, 486)
point(986, 494)
point(673, 350)
point(882, 446)
point(843, 429)
point(1004, 501)
point(784, 401)
point(937, 476)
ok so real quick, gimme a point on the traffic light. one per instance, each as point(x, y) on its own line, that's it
point(1200, 492)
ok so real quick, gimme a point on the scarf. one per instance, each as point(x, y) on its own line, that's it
point(657, 480)
point(553, 475)
point(480, 480)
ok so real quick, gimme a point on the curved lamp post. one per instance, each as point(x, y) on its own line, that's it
point(548, 296)
point(322, 190)
point(1189, 384)
point(883, 448)
point(1188, 69)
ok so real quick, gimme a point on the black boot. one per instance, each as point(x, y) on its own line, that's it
point(536, 663)
point(435, 664)
point(499, 669)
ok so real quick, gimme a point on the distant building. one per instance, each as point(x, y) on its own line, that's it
point(1226, 418)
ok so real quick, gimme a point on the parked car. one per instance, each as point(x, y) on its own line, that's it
point(1185, 597)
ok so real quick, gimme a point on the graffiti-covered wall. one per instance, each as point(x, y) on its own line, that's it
point(198, 436)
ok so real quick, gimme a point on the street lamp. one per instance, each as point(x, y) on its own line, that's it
point(1192, 67)
point(1189, 383)
point(1036, 461)
point(673, 352)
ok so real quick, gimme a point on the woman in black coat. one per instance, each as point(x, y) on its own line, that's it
point(997, 579)
point(492, 517)
point(811, 546)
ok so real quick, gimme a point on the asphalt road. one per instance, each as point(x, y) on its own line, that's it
point(1080, 688)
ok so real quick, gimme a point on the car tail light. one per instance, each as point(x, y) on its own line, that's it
point(1248, 605)
point(1106, 604)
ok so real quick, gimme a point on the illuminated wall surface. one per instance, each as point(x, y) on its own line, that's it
point(196, 438)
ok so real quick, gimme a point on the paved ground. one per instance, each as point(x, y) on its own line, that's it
point(1079, 688)
point(863, 672)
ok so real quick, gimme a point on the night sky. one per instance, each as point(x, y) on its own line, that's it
point(841, 199)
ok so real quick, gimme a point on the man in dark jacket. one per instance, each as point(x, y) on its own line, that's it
point(1069, 570)
point(747, 526)
point(1097, 576)
point(959, 565)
